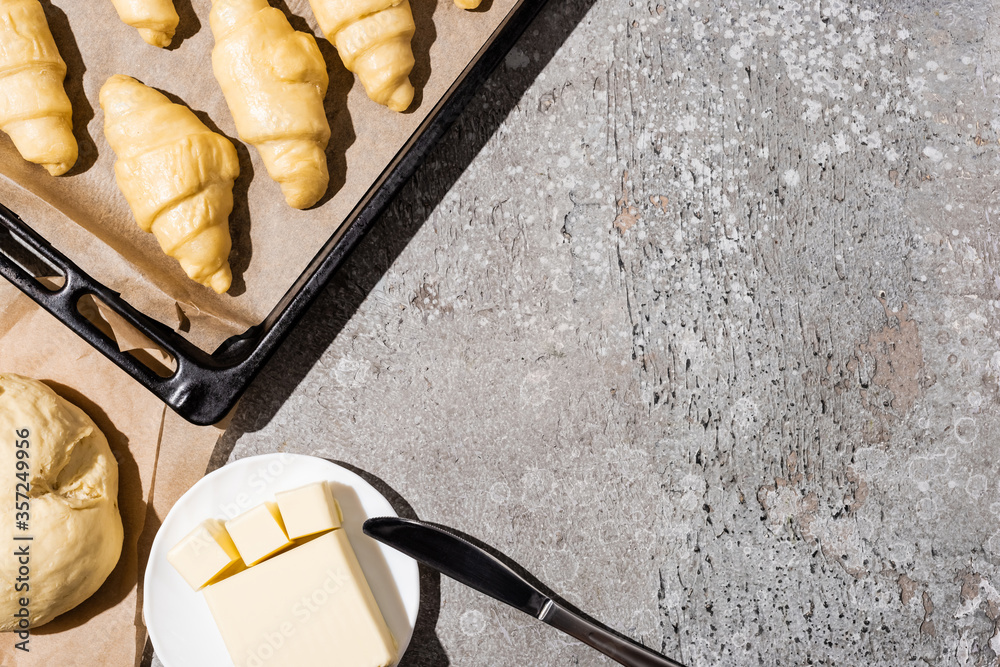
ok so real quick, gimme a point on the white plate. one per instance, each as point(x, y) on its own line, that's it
point(179, 621)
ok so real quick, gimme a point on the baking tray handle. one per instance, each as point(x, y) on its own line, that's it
point(200, 387)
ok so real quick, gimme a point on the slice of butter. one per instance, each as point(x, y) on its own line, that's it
point(308, 510)
point(206, 555)
point(258, 533)
point(309, 606)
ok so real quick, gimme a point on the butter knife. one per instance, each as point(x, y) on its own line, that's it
point(475, 567)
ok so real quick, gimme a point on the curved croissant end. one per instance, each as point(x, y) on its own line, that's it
point(156, 20)
point(373, 39)
point(274, 80)
point(34, 109)
point(299, 167)
point(195, 232)
point(176, 174)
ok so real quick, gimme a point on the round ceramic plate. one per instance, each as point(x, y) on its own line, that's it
point(179, 621)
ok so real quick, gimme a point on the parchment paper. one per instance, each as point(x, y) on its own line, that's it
point(159, 457)
point(85, 216)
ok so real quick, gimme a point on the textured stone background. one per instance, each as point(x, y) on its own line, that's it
point(694, 314)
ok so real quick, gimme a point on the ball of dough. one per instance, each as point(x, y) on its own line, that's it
point(73, 515)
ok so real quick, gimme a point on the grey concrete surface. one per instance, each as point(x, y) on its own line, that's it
point(693, 314)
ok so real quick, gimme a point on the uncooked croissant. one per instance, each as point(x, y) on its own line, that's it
point(156, 20)
point(34, 109)
point(373, 39)
point(467, 4)
point(274, 80)
point(176, 174)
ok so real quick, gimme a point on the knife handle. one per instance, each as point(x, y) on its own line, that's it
point(613, 645)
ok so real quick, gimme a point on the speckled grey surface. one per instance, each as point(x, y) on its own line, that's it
point(694, 314)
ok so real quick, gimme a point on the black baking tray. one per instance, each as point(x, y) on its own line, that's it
point(204, 387)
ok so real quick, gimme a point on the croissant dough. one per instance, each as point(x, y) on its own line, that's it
point(34, 109)
point(274, 80)
point(74, 522)
point(156, 20)
point(467, 4)
point(373, 39)
point(176, 174)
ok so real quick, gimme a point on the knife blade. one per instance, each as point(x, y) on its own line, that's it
point(482, 571)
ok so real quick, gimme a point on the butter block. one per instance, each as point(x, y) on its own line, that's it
point(310, 606)
point(205, 555)
point(308, 510)
point(258, 533)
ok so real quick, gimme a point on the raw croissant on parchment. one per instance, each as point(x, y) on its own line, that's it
point(373, 39)
point(274, 80)
point(34, 109)
point(156, 20)
point(467, 4)
point(176, 174)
